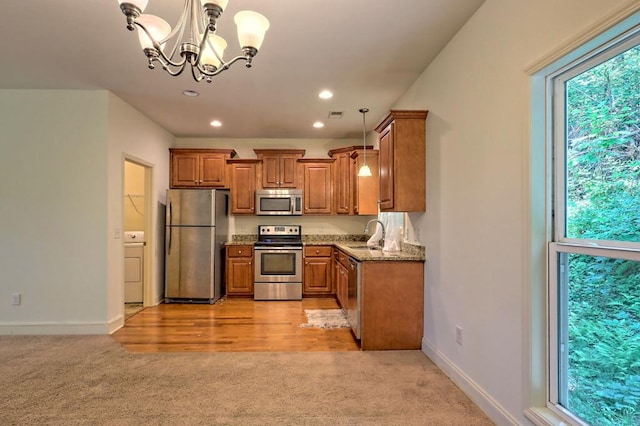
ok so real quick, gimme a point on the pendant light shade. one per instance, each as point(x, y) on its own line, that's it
point(157, 27)
point(251, 28)
point(364, 171)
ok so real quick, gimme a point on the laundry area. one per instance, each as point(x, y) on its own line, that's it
point(134, 237)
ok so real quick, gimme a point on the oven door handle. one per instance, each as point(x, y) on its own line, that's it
point(278, 251)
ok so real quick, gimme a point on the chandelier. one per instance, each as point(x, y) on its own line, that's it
point(193, 41)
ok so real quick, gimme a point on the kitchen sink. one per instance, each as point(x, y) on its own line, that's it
point(364, 247)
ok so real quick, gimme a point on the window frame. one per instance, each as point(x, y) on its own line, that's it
point(559, 245)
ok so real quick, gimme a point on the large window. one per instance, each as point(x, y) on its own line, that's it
point(594, 258)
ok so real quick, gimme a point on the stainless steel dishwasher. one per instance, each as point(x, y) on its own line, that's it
point(354, 296)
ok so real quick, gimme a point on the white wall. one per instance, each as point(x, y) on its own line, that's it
point(53, 213)
point(315, 148)
point(476, 226)
point(62, 168)
point(134, 136)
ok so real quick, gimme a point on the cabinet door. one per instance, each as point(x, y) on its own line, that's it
point(364, 189)
point(287, 171)
point(342, 184)
point(239, 276)
point(243, 183)
point(342, 285)
point(317, 188)
point(270, 171)
point(317, 275)
point(386, 168)
point(212, 171)
point(184, 170)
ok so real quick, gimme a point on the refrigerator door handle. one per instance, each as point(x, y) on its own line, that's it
point(170, 227)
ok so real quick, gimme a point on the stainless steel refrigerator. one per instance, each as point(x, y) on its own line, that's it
point(196, 233)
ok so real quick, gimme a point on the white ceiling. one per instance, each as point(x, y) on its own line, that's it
point(368, 52)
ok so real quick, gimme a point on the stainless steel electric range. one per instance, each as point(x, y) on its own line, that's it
point(278, 263)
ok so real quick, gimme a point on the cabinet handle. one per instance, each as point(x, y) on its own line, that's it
point(239, 251)
point(317, 251)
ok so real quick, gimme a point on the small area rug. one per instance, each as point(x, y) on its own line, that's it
point(325, 318)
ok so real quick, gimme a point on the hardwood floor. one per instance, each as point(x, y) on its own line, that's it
point(233, 325)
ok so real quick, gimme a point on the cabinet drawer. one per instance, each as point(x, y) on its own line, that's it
point(317, 251)
point(239, 251)
point(343, 259)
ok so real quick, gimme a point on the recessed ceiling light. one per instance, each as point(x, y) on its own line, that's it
point(191, 93)
point(318, 125)
point(216, 123)
point(325, 94)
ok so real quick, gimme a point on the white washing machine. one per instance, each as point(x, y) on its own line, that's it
point(133, 266)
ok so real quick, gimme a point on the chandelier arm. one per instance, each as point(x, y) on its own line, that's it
point(223, 66)
point(205, 41)
point(173, 72)
point(198, 77)
point(177, 30)
point(156, 45)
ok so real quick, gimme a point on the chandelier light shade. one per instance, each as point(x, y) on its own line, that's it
point(193, 42)
point(364, 171)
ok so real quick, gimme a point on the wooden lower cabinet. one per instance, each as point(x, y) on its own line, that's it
point(317, 272)
point(392, 305)
point(239, 270)
point(342, 278)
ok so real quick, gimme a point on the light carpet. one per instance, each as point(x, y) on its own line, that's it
point(325, 318)
point(92, 380)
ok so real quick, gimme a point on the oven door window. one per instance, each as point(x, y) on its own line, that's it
point(278, 264)
point(275, 204)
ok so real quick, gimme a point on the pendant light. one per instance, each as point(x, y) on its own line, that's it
point(364, 171)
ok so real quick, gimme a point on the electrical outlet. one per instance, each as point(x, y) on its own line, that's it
point(459, 335)
point(15, 298)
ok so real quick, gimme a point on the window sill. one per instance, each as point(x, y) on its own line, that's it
point(542, 416)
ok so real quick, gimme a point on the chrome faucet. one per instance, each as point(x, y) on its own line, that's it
point(366, 229)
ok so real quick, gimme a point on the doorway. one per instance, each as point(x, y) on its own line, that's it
point(136, 235)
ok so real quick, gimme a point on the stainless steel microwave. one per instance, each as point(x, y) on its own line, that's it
point(283, 202)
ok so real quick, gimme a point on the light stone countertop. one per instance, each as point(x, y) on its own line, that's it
point(409, 252)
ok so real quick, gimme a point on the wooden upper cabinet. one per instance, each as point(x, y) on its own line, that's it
point(199, 168)
point(343, 184)
point(347, 184)
point(243, 185)
point(364, 189)
point(279, 167)
point(402, 160)
point(318, 188)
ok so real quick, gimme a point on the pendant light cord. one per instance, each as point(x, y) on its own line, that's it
point(364, 111)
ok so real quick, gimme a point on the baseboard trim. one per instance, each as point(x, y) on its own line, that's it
point(482, 399)
point(53, 328)
point(115, 324)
